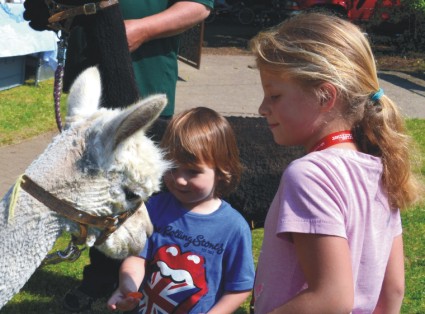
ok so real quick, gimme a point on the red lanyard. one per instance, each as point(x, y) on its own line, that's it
point(333, 139)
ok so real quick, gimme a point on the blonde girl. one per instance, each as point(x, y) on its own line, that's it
point(333, 235)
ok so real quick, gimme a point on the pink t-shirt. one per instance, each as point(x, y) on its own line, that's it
point(334, 192)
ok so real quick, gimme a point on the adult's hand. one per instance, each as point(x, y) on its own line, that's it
point(37, 13)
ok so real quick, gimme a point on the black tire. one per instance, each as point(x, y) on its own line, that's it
point(211, 18)
point(246, 16)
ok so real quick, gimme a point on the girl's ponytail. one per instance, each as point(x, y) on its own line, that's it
point(381, 132)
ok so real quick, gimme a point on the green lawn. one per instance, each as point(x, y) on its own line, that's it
point(27, 111)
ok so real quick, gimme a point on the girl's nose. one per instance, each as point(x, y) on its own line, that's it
point(262, 110)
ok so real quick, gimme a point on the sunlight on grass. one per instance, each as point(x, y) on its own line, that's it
point(416, 129)
point(414, 250)
point(27, 111)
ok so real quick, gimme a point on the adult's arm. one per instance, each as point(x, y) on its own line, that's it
point(392, 292)
point(176, 19)
point(326, 264)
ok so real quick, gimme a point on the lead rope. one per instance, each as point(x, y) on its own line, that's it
point(57, 90)
point(70, 254)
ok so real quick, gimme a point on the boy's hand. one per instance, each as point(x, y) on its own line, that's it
point(124, 302)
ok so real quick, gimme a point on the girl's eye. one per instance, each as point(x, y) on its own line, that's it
point(274, 97)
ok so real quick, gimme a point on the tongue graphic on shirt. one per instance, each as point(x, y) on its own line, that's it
point(177, 284)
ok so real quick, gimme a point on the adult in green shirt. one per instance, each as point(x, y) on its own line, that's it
point(153, 41)
point(152, 29)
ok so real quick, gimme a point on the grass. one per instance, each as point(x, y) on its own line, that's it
point(416, 129)
point(27, 111)
point(414, 250)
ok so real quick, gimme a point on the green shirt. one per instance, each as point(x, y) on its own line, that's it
point(155, 62)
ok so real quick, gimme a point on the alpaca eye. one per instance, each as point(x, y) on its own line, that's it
point(130, 195)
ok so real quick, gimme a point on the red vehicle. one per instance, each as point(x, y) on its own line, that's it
point(354, 10)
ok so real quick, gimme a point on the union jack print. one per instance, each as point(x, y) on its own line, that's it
point(162, 295)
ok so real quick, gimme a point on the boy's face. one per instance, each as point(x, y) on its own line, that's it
point(191, 185)
point(291, 112)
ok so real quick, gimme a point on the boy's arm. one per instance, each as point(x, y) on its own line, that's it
point(229, 302)
point(132, 272)
point(392, 291)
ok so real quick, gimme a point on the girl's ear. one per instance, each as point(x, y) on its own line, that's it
point(327, 96)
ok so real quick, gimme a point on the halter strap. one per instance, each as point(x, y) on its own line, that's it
point(108, 224)
point(85, 9)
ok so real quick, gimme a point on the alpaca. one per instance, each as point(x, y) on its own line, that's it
point(102, 164)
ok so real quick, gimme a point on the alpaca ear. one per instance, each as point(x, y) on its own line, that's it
point(84, 96)
point(138, 117)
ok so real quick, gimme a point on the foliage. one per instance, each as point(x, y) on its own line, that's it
point(406, 23)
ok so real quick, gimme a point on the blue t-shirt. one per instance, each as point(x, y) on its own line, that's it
point(192, 259)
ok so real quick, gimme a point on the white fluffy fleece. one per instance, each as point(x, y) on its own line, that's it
point(98, 164)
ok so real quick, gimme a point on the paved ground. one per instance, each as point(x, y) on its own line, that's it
point(228, 84)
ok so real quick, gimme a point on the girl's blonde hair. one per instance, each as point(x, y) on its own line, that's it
point(314, 48)
point(201, 135)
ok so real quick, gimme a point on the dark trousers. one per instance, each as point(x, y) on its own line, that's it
point(100, 277)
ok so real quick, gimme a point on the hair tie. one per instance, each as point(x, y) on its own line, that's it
point(377, 95)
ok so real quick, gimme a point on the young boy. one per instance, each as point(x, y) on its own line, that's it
point(199, 258)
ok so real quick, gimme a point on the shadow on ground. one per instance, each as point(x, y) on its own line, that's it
point(228, 33)
point(49, 289)
point(403, 82)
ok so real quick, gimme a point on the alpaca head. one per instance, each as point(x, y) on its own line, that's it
point(104, 164)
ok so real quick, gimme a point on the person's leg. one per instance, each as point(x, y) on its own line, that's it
point(100, 279)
